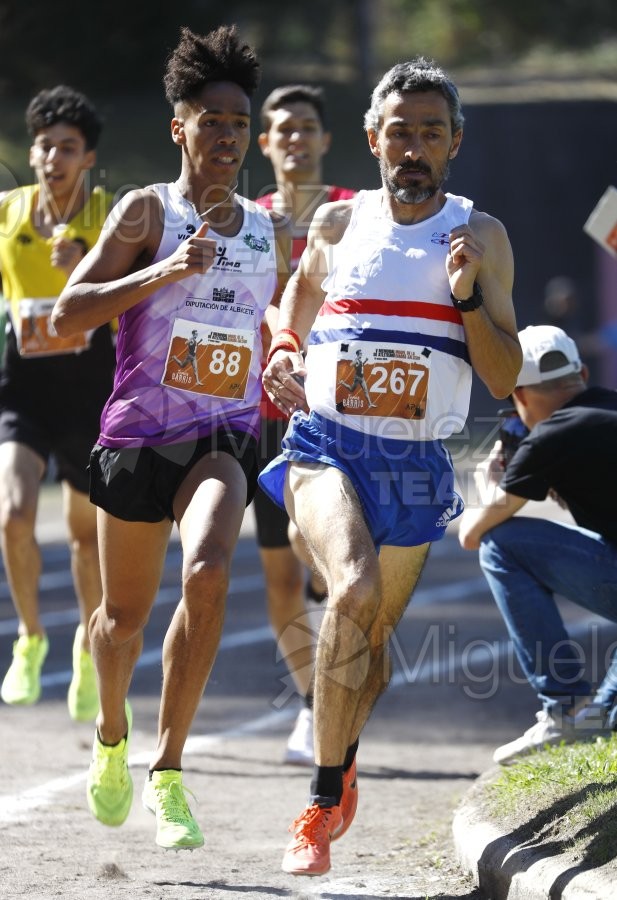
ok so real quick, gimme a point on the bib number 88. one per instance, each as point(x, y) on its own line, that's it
point(222, 362)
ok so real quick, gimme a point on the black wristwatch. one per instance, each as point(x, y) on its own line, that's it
point(473, 302)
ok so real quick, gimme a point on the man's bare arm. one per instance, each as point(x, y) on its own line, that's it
point(282, 233)
point(118, 272)
point(481, 252)
point(282, 236)
point(491, 506)
point(302, 301)
point(304, 296)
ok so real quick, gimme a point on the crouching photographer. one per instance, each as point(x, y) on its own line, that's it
point(568, 453)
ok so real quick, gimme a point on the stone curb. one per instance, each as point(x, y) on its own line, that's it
point(508, 870)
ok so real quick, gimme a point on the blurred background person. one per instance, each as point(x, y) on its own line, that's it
point(52, 389)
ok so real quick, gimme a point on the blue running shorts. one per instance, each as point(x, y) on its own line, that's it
point(406, 488)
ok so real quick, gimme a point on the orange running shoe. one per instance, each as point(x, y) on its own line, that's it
point(308, 852)
point(349, 799)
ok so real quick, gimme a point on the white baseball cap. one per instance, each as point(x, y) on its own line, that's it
point(539, 340)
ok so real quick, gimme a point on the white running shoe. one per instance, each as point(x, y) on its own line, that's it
point(549, 731)
point(300, 744)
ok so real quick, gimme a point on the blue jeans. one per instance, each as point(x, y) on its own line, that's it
point(526, 561)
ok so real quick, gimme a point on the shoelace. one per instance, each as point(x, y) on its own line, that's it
point(172, 799)
point(313, 821)
point(27, 654)
point(111, 769)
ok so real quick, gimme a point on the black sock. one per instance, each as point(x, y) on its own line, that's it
point(327, 785)
point(171, 769)
point(350, 755)
point(313, 594)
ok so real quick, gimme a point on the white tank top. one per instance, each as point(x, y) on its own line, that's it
point(387, 353)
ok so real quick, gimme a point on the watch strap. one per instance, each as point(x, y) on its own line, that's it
point(476, 300)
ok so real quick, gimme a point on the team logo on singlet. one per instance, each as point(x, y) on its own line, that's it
point(223, 261)
point(440, 237)
point(223, 295)
point(189, 229)
point(259, 244)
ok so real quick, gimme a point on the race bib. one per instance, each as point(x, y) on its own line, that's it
point(36, 336)
point(207, 359)
point(382, 380)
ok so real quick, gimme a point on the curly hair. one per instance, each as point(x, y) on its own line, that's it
point(417, 75)
point(293, 93)
point(216, 56)
point(63, 104)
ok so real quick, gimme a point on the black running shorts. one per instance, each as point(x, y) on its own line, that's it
point(138, 484)
point(271, 521)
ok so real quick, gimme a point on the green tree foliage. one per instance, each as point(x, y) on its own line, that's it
point(492, 32)
point(111, 45)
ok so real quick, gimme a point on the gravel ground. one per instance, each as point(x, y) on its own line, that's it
point(399, 847)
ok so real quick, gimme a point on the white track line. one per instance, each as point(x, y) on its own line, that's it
point(245, 584)
point(13, 807)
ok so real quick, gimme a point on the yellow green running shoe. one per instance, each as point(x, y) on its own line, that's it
point(83, 695)
point(165, 796)
point(22, 682)
point(109, 786)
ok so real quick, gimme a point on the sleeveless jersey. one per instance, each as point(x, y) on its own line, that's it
point(189, 355)
point(30, 283)
point(298, 246)
point(25, 254)
point(43, 376)
point(387, 353)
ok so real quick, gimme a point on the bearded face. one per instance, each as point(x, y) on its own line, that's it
point(414, 145)
point(413, 182)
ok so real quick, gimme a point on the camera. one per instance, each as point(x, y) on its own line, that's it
point(511, 433)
